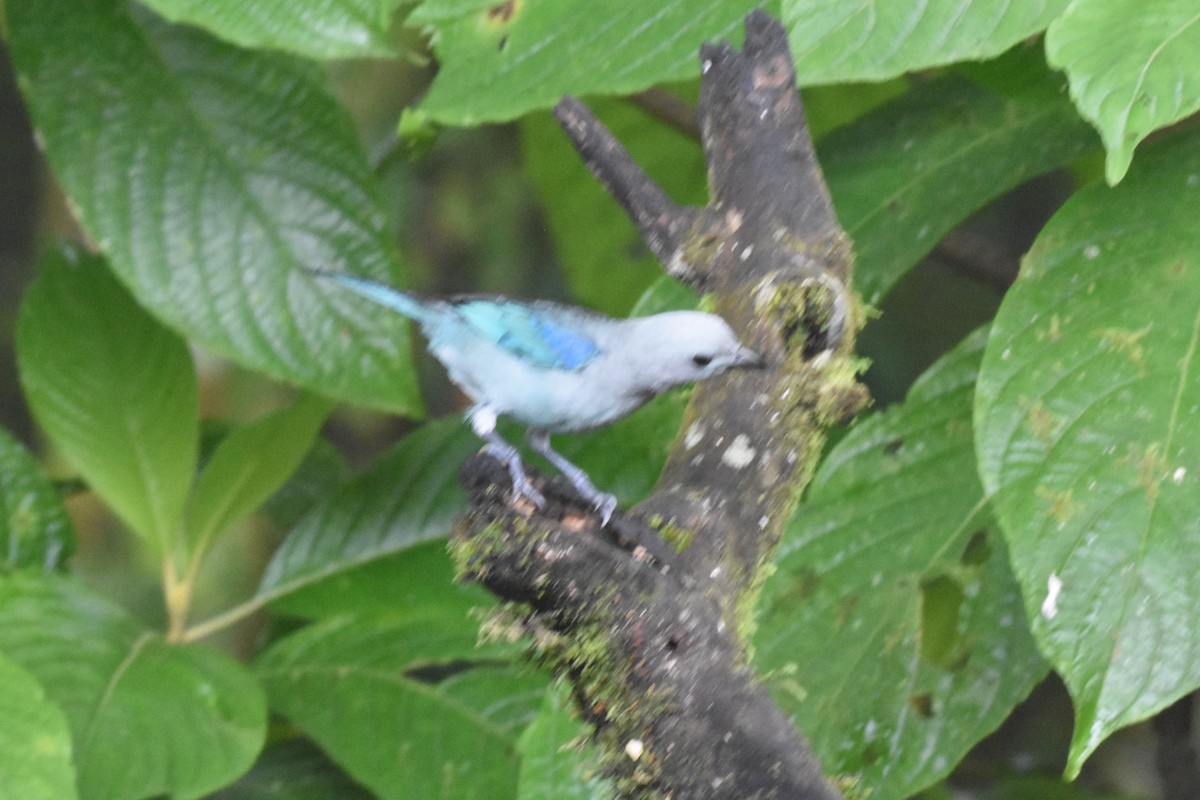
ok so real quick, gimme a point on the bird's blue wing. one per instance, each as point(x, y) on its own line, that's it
point(537, 335)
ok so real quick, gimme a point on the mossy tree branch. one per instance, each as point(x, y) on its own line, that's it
point(653, 641)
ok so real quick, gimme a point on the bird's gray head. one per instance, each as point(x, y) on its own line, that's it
point(680, 347)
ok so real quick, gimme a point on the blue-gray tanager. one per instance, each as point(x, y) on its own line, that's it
point(558, 368)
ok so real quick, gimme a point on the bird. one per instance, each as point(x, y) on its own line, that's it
point(557, 368)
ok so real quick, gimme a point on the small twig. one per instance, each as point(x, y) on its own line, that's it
point(668, 108)
point(661, 222)
point(979, 258)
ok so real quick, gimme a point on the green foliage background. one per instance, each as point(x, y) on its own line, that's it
point(288, 624)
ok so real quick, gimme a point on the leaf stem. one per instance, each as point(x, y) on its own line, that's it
point(221, 621)
point(177, 596)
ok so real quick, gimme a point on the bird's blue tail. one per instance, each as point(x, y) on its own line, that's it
point(401, 302)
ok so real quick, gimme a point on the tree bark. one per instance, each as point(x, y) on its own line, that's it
point(654, 640)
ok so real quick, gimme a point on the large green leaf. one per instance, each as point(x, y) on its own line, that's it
point(604, 260)
point(115, 391)
point(293, 769)
point(1019, 786)
point(828, 108)
point(665, 294)
point(892, 626)
point(208, 175)
point(409, 496)
point(147, 718)
point(1132, 65)
point(35, 530)
point(401, 701)
point(322, 469)
point(554, 763)
point(316, 28)
point(35, 742)
point(906, 173)
point(249, 465)
point(835, 41)
point(1088, 417)
point(420, 576)
point(499, 60)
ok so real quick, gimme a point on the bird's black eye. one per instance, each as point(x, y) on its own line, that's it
point(701, 360)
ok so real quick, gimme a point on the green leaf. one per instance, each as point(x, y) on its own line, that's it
point(500, 60)
point(35, 742)
point(35, 530)
point(1024, 787)
point(320, 29)
point(114, 390)
point(403, 704)
point(322, 469)
point(665, 294)
point(409, 496)
point(249, 465)
point(1088, 417)
point(828, 108)
point(552, 764)
point(835, 41)
point(421, 576)
point(146, 717)
point(208, 175)
point(909, 171)
point(602, 255)
point(293, 769)
point(1132, 68)
point(892, 626)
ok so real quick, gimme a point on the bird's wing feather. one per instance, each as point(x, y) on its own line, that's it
point(533, 333)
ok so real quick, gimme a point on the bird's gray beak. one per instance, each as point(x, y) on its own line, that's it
point(748, 359)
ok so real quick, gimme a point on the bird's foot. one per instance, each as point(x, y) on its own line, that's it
point(606, 504)
point(603, 502)
point(522, 486)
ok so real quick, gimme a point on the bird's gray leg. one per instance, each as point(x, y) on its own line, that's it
point(483, 422)
point(605, 503)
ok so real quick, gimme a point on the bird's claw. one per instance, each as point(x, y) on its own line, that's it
point(603, 502)
point(606, 504)
point(524, 488)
